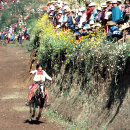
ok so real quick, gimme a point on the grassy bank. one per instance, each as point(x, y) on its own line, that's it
point(90, 76)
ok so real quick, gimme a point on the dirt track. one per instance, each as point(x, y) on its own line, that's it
point(13, 93)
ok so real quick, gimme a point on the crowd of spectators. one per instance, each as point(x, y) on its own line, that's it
point(4, 3)
point(11, 34)
point(113, 16)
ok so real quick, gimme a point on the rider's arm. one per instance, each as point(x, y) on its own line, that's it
point(33, 71)
point(47, 76)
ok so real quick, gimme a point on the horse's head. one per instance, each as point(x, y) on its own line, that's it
point(38, 93)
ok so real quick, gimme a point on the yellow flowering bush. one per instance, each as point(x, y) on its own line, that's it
point(61, 43)
point(89, 57)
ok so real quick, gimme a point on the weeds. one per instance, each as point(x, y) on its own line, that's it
point(55, 117)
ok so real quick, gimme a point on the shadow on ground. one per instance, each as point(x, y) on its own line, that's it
point(36, 122)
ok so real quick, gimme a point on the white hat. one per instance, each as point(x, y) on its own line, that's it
point(99, 8)
point(60, 12)
point(92, 4)
point(118, 0)
point(93, 26)
point(97, 25)
point(79, 26)
point(108, 0)
point(124, 26)
point(83, 9)
point(67, 10)
point(79, 14)
point(58, 5)
point(114, 1)
point(103, 5)
point(91, 22)
point(54, 1)
point(110, 23)
point(65, 3)
point(66, 7)
point(58, 26)
point(52, 8)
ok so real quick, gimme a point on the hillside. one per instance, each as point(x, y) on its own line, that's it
point(91, 83)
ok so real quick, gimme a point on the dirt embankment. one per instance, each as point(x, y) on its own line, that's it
point(109, 109)
point(13, 92)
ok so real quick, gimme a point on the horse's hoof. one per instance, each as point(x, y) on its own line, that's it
point(30, 120)
point(37, 118)
point(33, 115)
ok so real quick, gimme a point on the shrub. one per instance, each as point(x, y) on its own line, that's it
point(94, 61)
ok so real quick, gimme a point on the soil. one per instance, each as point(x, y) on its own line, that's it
point(14, 114)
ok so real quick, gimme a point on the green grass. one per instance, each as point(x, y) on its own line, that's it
point(54, 117)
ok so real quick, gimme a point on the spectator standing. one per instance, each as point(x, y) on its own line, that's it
point(98, 17)
point(2, 36)
point(103, 20)
point(88, 11)
point(94, 11)
point(22, 39)
point(120, 5)
point(116, 12)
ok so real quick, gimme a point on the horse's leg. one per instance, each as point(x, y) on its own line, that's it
point(34, 109)
point(39, 114)
point(30, 119)
point(41, 104)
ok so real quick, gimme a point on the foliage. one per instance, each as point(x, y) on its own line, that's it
point(55, 117)
point(94, 61)
point(61, 45)
point(5, 18)
point(14, 10)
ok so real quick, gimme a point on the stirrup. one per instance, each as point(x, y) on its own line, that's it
point(27, 103)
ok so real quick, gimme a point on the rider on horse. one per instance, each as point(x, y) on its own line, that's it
point(40, 76)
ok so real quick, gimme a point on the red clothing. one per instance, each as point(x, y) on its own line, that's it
point(39, 72)
point(32, 88)
point(89, 10)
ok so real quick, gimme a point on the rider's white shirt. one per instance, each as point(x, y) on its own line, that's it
point(40, 77)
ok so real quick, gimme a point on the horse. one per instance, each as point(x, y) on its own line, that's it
point(37, 102)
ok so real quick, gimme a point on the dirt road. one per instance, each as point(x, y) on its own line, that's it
point(13, 93)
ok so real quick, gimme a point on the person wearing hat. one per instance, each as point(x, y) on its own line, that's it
point(109, 5)
point(55, 16)
point(71, 21)
point(114, 31)
point(60, 17)
point(91, 23)
point(108, 9)
point(116, 12)
point(78, 17)
point(120, 5)
point(98, 17)
point(64, 17)
point(111, 27)
point(125, 32)
point(49, 6)
point(94, 11)
point(103, 20)
point(127, 3)
point(83, 17)
point(66, 5)
point(126, 13)
point(89, 10)
point(52, 13)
